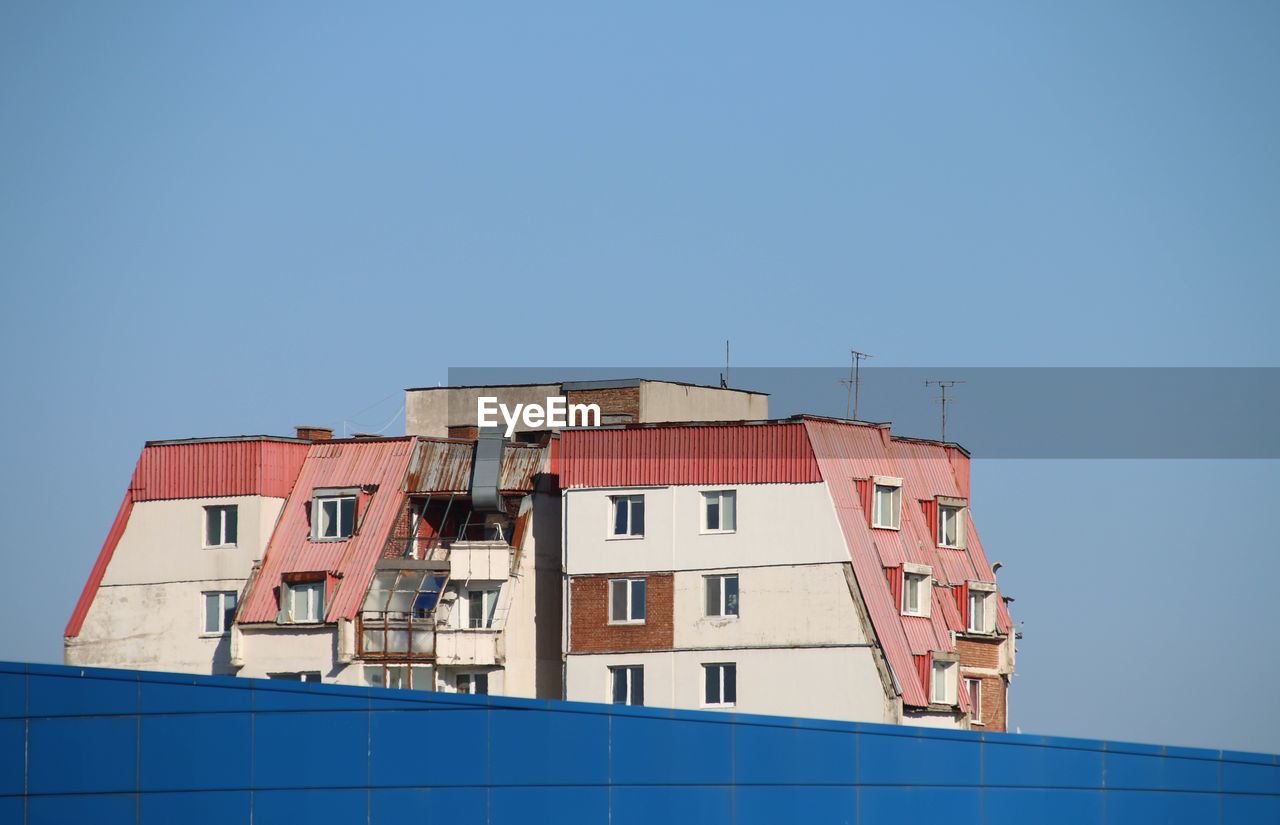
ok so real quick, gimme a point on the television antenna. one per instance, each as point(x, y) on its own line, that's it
point(854, 381)
point(944, 384)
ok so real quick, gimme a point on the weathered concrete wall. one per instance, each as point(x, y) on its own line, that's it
point(832, 683)
point(776, 524)
point(661, 401)
point(433, 410)
point(148, 612)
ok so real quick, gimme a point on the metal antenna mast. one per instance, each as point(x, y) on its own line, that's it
point(854, 381)
point(944, 383)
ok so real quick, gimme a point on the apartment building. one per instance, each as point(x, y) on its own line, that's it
point(429, 563)
point(808, 566)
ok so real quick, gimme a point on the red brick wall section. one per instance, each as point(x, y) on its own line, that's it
point(994, 688)
point(985, 653)
point(624, 400)
point(465, 432)
point(979, 653)
point(590, 631)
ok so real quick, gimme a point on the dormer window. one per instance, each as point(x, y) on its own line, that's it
point(886, 504)
point(917, 589)
point(951, 519)
point(333, 515)
point(982, 607)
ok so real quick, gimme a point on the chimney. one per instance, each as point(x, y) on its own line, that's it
point(315, 433)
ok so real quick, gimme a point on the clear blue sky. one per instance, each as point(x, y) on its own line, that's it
point(234, 218)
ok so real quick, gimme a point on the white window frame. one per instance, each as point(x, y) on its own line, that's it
point(878, 519)
point(721, 669)
point(922, 574)
point(983, 594)
point(221, 510)
point(959, 506)
point(630, 501)
point(412, 676)
point(717, 582)
point(487, 598)
point(473, 680)
point(942, 691)
point(224, 620)
point(289, 592)
point(318, 500)
point(630, 596)
point(975, 699)
point(628, 672)
point(719, 496)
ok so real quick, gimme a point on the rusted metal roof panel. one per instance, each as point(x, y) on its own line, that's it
point(440, 466)
point(768, 453)
point(337, 464)
point(520, 463)
point(217, 468)
point(444, 466)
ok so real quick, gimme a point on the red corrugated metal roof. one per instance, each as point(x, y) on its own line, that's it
point(846, 452)
point(243, 466)
point(202, 469)
point(331, 465)
point(770, 453)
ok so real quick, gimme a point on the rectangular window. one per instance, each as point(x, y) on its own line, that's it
point(722, 595)
point(914, 593)
point(977, 611)
point(627, 685)
point(481, 606)
point(477, 683)
point(401, 676)
point(220, 526)
point(333, 516)
point(943, 689)
point(719, 511)
point(974, 686)
point(219, 611)
point(950, 526)
point(626, 601)
point(887, 504)
point(628, 516)
point(302, 601)
point(720, 685)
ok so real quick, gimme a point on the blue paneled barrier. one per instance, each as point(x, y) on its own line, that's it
point(117, 746)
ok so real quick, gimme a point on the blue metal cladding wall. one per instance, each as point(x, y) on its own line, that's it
point(114, 746)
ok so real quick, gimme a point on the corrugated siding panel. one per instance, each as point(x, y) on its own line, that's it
point(731, 454)
point(218, 468)
point(445, 467)
point(440, 466)
point(345, 464)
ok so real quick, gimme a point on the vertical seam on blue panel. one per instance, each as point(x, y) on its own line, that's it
point(488, 763)
point(733, 768)
point(982, 777)
point(253, 729)
point(26, 748)
point(857, 774)
point(137, 757)
point(368, 757)
point(609, 747)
